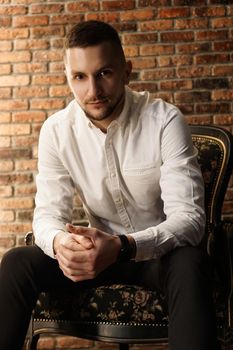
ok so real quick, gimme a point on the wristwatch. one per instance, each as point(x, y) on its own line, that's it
point(127, 251)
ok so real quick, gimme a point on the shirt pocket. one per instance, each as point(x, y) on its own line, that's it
point(142, 184)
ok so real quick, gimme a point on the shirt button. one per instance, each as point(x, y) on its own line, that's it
point(113, 174)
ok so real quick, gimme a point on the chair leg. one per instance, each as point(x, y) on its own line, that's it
point(31, 344)
point(123, 346)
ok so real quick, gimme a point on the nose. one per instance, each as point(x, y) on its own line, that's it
point(93, 87)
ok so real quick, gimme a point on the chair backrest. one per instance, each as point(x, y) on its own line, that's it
point(215, 156)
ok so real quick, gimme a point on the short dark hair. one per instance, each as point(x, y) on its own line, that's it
point(91, 33)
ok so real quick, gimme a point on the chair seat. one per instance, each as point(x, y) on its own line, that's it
point(114, 304)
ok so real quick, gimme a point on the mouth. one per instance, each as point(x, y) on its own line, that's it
point(99, 102)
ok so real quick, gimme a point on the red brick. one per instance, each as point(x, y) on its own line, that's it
point(6, 191)
point(16, 203)
point(131, 51)
point(46, 8)
point(11, 80)
point(212, 107)
point(8, 34)
point(55, 67)
point(5, 92)
point(15, 228)
point(143, 63)
point(12, 10)
point(16, 56)
point(31, 44)
point(222, 22)
point(194, 71)
point(41, 32)
point(175, 12)
point(226, 119)
point(177, 36)
point(24, 215)
point(6, 105)
point(176, 85)
point(115, 5)
point(193, 48)
point(142, 3)
point(6, 165)
point(28, 21)
point(223, 46)
point(14, 129)
point(25, 190)
point(109, 17)
point(5, 141)
point(222, 95)
point(31, 91)
point(5, 21)
point(209, 11)
point(28, 116)
point(156, 49)
point(57, 43)
point(223, 70)
point(48, 79)
point(193, 96)
point(30, 67)
point(198, 119)
point(189, 2)
point(28, 164)
point(56, 91)
point(140, 38)
point(65, 19)
point(83, 6)
point(5, 46)
point(15, 179)
point(161, 24)
point(158, 74)
point(211, 35)
point(212, 58)
point(47, 104)
point(137, 15)
point(5, 117)
point(19, 141)
point(6, 216)
point(143, 86)
point(5, 69)
point(73, 343)
point(7, 241)
point(166, 96)
point(196, 23)
point(42, 56)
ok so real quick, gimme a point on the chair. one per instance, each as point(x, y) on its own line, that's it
point(128, 314)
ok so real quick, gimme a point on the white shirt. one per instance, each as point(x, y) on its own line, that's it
point(140, 178)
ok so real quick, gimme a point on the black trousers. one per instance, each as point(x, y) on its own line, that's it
point(184, 275)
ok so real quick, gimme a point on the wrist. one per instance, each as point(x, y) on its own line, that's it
point(57, 241)
point(127, 250)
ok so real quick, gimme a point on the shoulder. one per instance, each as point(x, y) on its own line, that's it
point(155, 109)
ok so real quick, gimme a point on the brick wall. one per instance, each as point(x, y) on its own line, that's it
point(181, 51)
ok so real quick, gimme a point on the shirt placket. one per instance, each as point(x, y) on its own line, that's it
point(115, 183)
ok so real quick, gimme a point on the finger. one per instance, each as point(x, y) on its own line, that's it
point(83, 235)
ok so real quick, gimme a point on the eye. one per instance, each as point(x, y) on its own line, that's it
point(78, 76)
point(105, 73)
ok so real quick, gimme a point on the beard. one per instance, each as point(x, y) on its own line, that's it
point(109, 110)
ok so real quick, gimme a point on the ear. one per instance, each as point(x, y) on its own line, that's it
point(128, 70)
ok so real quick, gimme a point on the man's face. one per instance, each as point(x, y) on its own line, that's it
point(97, 76)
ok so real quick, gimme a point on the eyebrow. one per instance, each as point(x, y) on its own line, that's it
point(107, 66)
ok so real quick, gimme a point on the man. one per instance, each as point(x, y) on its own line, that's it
point(132, 162)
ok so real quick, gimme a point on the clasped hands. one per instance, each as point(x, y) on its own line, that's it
point(84, 252)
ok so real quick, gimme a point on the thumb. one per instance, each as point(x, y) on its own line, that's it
point(80, 235)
